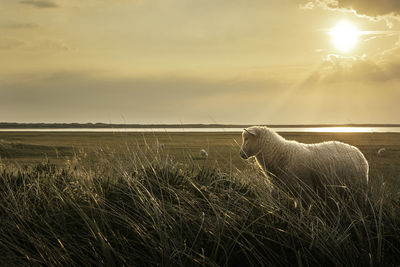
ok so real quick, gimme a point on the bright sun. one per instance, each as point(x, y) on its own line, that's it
point(344, 36)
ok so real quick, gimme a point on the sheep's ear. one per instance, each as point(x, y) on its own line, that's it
point(251, 131)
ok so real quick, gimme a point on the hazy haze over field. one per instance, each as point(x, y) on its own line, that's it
point(206, 61)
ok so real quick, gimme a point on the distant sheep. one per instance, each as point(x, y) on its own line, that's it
point(160, 147)
point(203, 153)
point(381, 152)
point(313, 165)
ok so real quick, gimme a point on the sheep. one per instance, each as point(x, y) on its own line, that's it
point(203, 153)
point(298, 166)
point(160, 147)
point(381, 152)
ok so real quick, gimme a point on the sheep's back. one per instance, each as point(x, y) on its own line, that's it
point(338, 159)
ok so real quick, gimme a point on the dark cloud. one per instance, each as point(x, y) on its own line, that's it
point(336, 69)
point(34, 45)
point(9, 43)
point(49, 45)
point(87, 96)
point(17, 26)
point(372, 8)
point(393, 70)
point(354, 69)
point(354, 90)
point(39, 3)
point(94, 96)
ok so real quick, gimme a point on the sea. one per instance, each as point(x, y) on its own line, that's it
point(213, 130)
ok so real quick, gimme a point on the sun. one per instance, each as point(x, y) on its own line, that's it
point(344, 36)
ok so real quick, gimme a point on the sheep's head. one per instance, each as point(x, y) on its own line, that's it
point(250, 143)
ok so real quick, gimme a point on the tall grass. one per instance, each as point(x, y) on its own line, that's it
point(143, 208)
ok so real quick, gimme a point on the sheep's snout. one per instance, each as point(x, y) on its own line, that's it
point(243, 154)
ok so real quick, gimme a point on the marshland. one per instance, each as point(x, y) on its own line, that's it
point(152, 199)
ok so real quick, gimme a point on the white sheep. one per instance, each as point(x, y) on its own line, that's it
point(203, 153)
point(160, 147)
point(381, 152)
point(292, 163)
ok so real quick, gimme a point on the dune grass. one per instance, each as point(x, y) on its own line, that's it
point(143, 208)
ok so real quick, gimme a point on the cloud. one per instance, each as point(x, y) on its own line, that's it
point(371, 8)
point(34, 45)
point(307, 6)
point(352, 89)
point(18, 26)
point(86, 96)
point(49, 45)
point(9, 43)
point(336, 69)
point(39, 3)
point(340, 69)
point(361, 7)
point(91, 96)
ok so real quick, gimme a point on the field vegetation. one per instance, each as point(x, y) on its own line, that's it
point(137, 204)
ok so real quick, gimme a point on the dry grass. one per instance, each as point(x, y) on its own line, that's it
point(142, 207)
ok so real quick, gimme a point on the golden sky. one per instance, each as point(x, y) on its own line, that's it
point(200, 61)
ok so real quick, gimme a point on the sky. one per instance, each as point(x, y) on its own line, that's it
point(200, 61)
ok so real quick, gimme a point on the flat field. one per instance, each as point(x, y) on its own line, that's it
point(223, 148)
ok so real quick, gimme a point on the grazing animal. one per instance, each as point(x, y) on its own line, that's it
point(313, 166)
point(203, 153)
point(381, 152)
point(160, 147)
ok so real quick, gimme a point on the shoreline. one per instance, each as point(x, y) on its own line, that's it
point(14, 125)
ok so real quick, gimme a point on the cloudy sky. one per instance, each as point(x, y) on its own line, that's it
point(200, 61)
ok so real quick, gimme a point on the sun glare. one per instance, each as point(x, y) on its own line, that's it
point(344, 36)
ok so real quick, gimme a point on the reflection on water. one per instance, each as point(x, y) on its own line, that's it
point(347, 129)
point(235, 130)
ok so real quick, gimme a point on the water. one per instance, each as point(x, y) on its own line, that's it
point(228, 130)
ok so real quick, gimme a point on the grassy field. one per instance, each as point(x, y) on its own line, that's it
point(223, 148)
point(116, 199)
